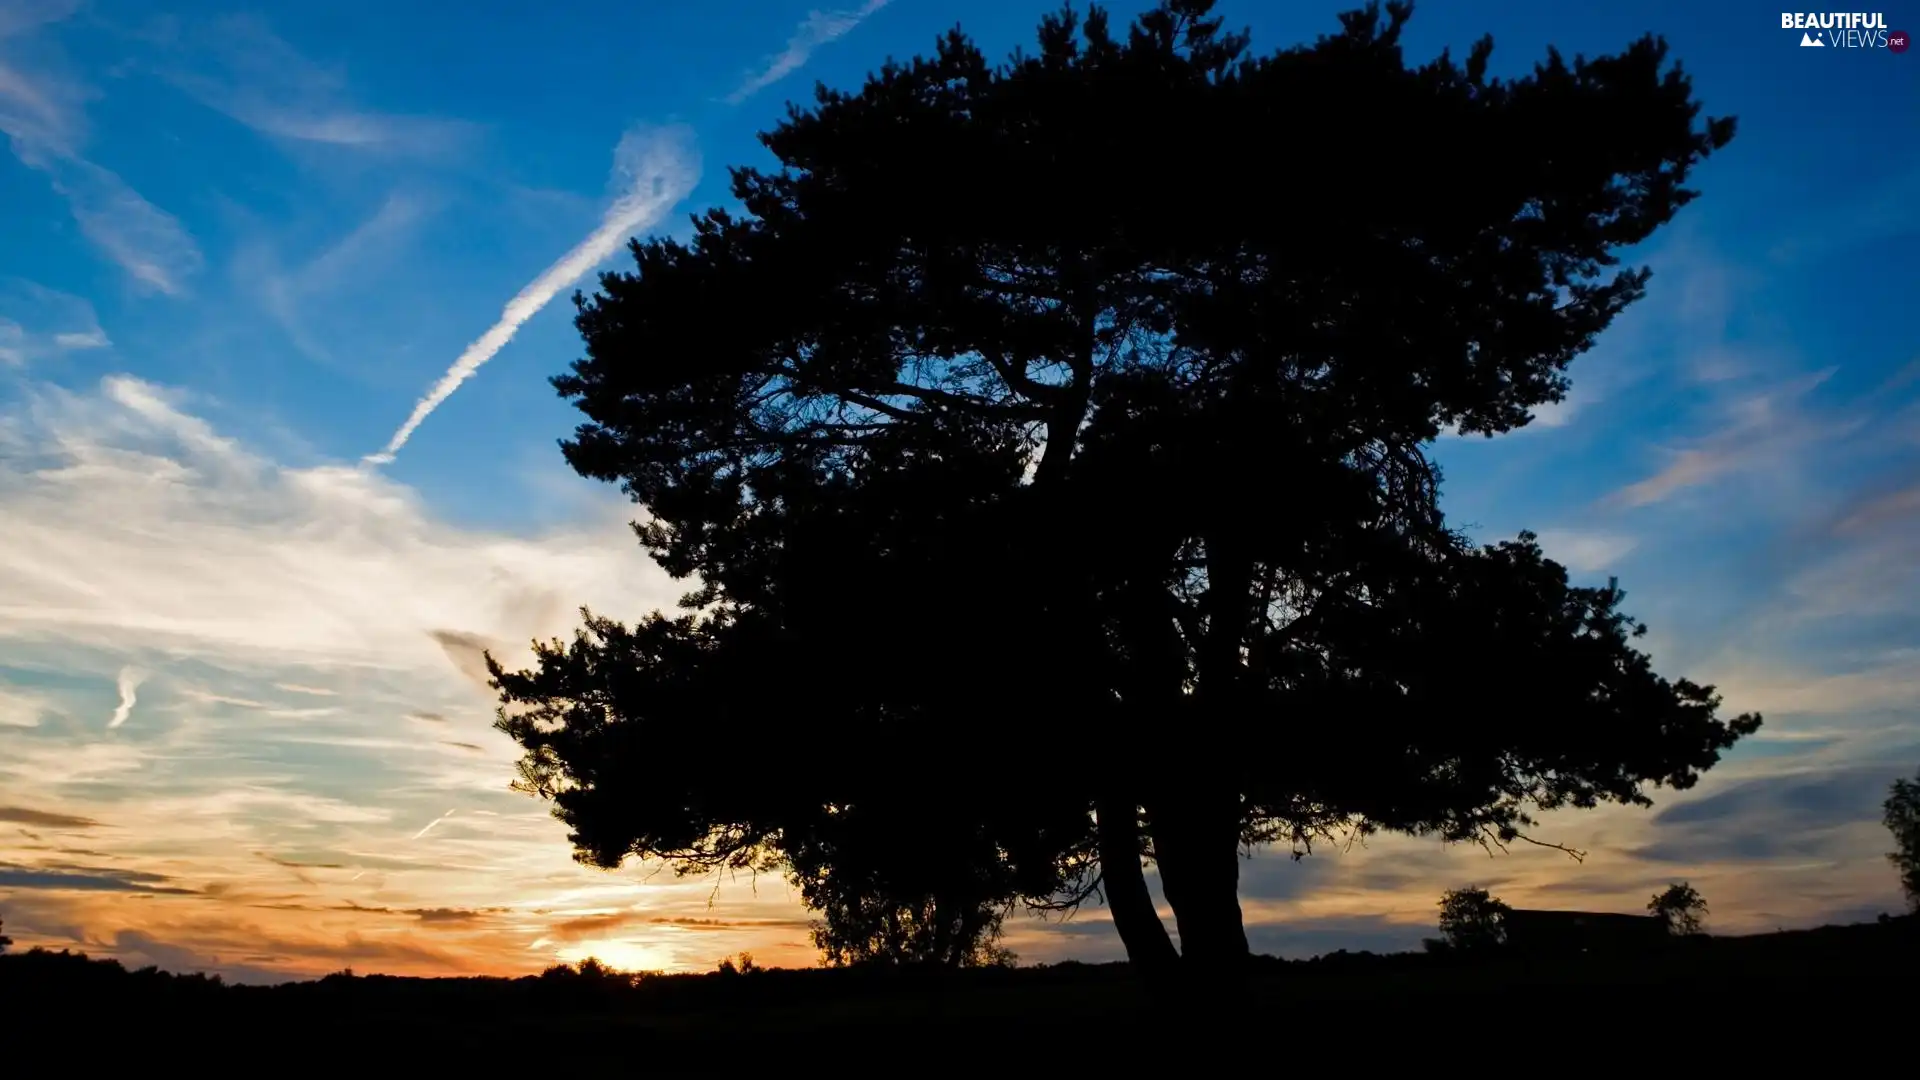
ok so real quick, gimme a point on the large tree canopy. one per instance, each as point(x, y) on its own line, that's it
point(1047, 442)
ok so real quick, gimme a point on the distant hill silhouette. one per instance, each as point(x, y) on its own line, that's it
point(1537, 931)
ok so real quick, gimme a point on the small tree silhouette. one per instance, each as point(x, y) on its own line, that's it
point(744, 965)
point(593, 972)
point(5, 941)
point(1681, 907)
point(1902, 816)
point(1472, 918)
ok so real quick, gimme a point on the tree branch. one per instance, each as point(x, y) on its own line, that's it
point(874, 403)
point(1019, 381)
point(1577, 856)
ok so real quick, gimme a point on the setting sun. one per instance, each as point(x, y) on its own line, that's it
point(623, 954)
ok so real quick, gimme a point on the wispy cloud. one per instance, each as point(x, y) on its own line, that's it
point(1880, 511)
point(1777, 687)
point(131, 525)
point(1585, 551)
point(819, 28)
point(597, 924)
point(86, 879)
point(296, 688)
point(439, 915)
point(17, 16)
point(30, 114)
point(397, 213)
point(240, 67)
point(128, 684)
point(1881, 211)
point(40, 112)
point(1865, 565)
point(36, 109)
point(95, 338)
point(22, 708)
point(45, 819)
point(148, 243)
point(249, 954)
point(1757, 427)
point(658, 167)
point(38, 323)
point(345, 267)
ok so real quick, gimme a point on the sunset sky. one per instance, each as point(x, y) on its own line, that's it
point(277, 462)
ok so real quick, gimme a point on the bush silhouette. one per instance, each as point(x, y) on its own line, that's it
point(1471, 919)
point(1681, 908)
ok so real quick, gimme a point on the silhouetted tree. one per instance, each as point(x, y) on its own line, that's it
point(1681, 908)
point(1472, 919)
point(1902, 817)
point(592, 970)
point(869, 928)
point(1052, 461)
point(869, 919)
point(5, 941)
point(744, 965)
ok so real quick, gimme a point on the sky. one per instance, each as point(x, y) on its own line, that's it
point(281, 287)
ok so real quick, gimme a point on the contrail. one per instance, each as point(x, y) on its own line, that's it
point(129, 681)
point(431, 824)
point(659, 167)
point(819, 28)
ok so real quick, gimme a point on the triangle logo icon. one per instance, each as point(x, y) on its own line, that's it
point(1808, 41)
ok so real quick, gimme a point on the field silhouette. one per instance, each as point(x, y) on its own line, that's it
point(1834, 974)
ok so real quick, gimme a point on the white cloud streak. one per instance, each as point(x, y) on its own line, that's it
point(1759, 428)
point(238, 66)
point(147, 242)
point(38, 323)
point(660, 167)
point(429, 825)
point(296, 688)
point(347, 270)
point(1583, 551)
point(128, 684)
point(42, 117)
point(819, 28)
point(132, 528)
point(22, 708)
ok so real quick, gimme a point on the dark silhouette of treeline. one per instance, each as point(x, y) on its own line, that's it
point(49, 995)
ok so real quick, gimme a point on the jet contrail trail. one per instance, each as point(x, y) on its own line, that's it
point(660, 166)
point(819, 28)
point(129, 681)
point(431, 824)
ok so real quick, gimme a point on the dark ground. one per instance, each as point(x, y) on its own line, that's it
point(1831, 999)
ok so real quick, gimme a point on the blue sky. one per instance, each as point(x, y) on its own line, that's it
point(238, 246)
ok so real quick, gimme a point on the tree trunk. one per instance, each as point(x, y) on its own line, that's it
point(1196, 818)
point(1196, 843)
point(1149, 949)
